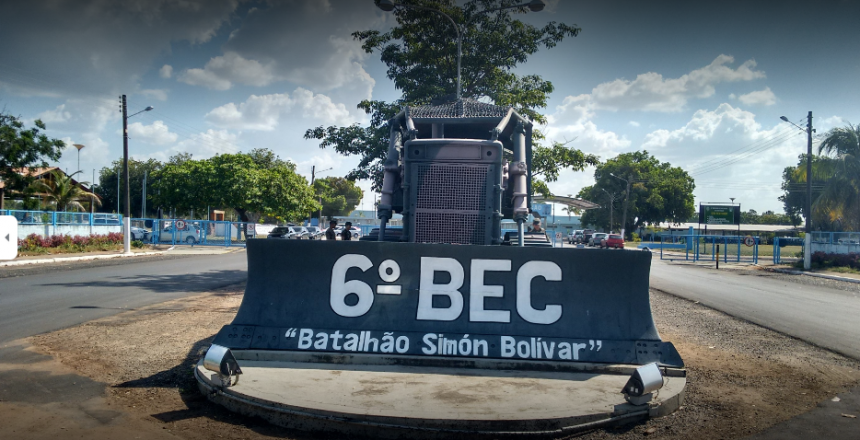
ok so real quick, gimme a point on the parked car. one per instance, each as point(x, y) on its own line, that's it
point(614, 241)
point(586, 236)
point(573, 235)
point(140, 234)
point(597, 239)
point(356, 232)
point(315, 233)
point(106, 220)
point(301, 232)
point(190, 234)
point(284, 232)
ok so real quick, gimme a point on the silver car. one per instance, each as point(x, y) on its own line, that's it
point(597, 239)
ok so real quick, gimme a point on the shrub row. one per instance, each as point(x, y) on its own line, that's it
point(822, 259)
point(35, 242)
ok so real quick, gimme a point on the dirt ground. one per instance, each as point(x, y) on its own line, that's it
point(132, 374)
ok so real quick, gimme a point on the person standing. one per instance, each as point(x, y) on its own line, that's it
point(346, 234)
point(329, 233)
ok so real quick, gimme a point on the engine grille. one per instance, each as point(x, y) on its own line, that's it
point(452, 187)
point(449, 227)
point(450, 204)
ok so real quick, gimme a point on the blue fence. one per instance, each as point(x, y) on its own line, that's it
point(787, 249)
point(192, 232)
point(731, 248)
point(54, 218)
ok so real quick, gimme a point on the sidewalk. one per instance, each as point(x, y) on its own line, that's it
point(783, 268)
point(89, 256)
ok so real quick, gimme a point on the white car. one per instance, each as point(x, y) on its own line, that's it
point(190, 234)
point(571, 236)
point(139, 234)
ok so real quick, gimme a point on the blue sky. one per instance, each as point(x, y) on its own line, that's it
point(699, 84)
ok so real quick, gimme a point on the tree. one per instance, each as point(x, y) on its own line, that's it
point(421, 56)
point(63, 192)
point(339, 196)
point(659, 192)
point(256, 183)
point(23, 148)
point(840, 197)
point(136, 169)
point(794, 191)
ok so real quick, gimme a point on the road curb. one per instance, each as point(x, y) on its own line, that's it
point(818, 275)
point(82, 258)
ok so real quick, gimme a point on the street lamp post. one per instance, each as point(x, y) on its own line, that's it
point(79, 147)
point(126, 220)
point(612, 198)
point(626, 202)
point(389, 5)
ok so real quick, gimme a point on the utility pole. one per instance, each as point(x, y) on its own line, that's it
point(117, 189)
point(809, 131)
point(126, 223)
point(143, 196)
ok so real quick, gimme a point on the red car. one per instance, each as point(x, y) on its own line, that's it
point(613, 241)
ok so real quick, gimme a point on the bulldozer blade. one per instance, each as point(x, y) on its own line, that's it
point(436, 300)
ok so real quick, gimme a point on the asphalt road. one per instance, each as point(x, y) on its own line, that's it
point(52, 298)
point(824, 316)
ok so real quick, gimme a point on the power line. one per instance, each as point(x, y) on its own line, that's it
point(750, 151)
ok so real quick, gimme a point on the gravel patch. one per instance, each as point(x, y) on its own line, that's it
point(742, 378)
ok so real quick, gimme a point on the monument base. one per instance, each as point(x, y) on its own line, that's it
point(396, 401)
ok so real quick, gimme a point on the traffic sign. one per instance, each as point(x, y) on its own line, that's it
point(180, 224)
point(749, 240)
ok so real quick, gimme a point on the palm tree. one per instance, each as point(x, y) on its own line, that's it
point(841, 195)
point(62, 191)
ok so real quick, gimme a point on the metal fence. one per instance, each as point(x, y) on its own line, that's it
point(55, 218)
point(787, 249)
point(731, 248)
point(192, 232)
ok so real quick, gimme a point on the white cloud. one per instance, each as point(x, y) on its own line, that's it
point(730, 154)
point(205, 78)
point(96, 37)
point(201, 145)
point(265, 112)
point(220, 73)
point(760, 97)
point(156, 133)
point(305, 42)
point(634, 124)
point(573, 119)
point(651, 92)
point(159, 94)
point(166, 71)
point(59, 114)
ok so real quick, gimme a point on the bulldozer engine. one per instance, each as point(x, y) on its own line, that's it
point(454, 171)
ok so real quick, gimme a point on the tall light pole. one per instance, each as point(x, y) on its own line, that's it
point(313, 179)
point(809, 130)
point(626, 202)
point(79, 147)
point(612, 198)
point(126, 216)
point(389, 5)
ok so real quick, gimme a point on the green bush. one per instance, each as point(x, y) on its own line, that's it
point(137, 244)
point(635, 237)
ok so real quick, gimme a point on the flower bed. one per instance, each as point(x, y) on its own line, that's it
point(35, 244)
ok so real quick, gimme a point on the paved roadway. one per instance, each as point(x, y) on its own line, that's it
point(58, 298)
point(824, 316)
